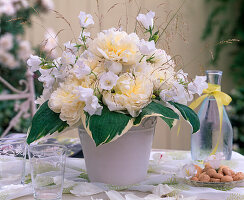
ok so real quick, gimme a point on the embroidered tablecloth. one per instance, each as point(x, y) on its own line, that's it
point(165, 180)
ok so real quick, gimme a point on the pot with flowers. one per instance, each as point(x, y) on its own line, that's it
point(113, 87)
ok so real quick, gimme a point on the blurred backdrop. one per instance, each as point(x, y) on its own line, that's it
point(194, 33)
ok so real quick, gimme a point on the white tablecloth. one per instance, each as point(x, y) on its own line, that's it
point(165, 172)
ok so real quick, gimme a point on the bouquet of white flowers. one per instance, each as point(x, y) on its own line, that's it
point(111, 83)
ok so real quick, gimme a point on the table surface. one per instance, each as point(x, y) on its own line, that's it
point(104, 196)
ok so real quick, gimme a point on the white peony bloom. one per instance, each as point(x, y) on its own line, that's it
point(113, 66)
point(147, 19)
point(47, 4)
point(144, 67)
point(68, 58)
point(108, 80)
point(24, 50)
point(198, 85)
point(70, 47)
point(132, 93)
point(116, 46)
point(81, 69)
point(85, 19)
point(34, 62)
point(160, 58)
point(146, 47)
point(65, 102)
point(6, 41)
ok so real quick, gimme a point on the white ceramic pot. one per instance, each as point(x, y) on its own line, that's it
point(123, 161)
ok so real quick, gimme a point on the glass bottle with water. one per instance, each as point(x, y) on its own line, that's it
point(209, 136)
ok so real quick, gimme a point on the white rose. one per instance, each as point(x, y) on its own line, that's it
point(34, 62)
point(146, 47)
point(108, 80)
point(85, 19)
point(146, 20)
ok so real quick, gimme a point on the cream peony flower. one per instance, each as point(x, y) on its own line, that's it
point(132, 93)
point(116, 46)
point(113, 66)
point(65, 102)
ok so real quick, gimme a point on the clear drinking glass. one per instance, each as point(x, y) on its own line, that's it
point(12, 161)
point(47, 163)
point(204, 141)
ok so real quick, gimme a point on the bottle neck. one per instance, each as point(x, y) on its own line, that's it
point(214, 77)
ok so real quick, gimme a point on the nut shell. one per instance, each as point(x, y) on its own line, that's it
point(204, 178)
point(194, 178)
point(214, 180)
point(226, 179)
point(226, 171)
point(211, 172)
point(239, 176)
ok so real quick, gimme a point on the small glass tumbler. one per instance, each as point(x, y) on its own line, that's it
point(47, 163)
point(12, 161)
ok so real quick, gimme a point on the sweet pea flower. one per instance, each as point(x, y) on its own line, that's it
point(91, 101)
point(147, 19)
point(34, 62)
point(81, 69)
point(85, 19)
point(146, 47)
point(198, 85)
point(108, 80)
point(68, 58)
point(70, 47)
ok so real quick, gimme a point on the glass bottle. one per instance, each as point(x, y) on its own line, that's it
point(204, 141)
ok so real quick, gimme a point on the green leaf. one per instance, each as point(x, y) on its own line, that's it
point(45, 122)
point(157, 109)
point(107, 126)
point(188, 114)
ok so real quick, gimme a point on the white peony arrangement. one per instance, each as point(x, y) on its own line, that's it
point(110, 83)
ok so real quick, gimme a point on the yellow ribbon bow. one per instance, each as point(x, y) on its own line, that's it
point(222, 100)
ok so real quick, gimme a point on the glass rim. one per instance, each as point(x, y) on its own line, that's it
point(32, 148)
point(5, 140)
point(219, 72)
